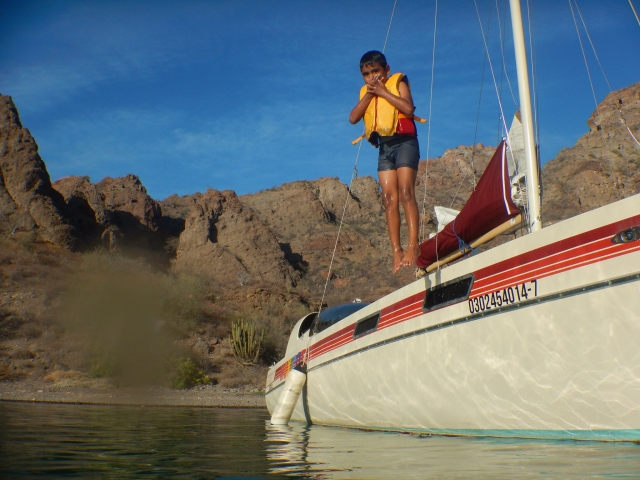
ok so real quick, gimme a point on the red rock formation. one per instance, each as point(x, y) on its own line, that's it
point(603, 166)
point(27, 200)
point(226, 242)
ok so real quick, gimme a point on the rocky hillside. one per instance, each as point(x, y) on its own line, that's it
point(202, 260)
point(603, 166)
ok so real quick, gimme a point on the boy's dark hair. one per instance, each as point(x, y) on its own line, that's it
point(373, 56)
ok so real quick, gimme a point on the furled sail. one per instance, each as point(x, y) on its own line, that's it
point(517, 162)
point(444, 216)
point(489, 206)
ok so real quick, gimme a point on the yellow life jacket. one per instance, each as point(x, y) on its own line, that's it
point(381, 116)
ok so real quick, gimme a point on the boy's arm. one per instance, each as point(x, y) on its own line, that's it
point(404, 102)
point(358, 111)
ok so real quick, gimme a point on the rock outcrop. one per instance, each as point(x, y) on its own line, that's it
point(224, 241)
point(115, 213)
point(28, 203)
point(92, 221)
point(603, 166)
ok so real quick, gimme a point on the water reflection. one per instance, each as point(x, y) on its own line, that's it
point(331, 452)
point(130, 442)
point(134, 442)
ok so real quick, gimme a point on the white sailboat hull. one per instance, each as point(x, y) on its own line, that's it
point(546, 344)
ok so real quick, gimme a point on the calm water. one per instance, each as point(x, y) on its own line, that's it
point(136, 442)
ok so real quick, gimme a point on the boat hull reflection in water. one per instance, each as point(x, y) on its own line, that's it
point(314, 451)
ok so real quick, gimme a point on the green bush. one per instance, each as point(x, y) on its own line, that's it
point(186, 374)
point(102, 367)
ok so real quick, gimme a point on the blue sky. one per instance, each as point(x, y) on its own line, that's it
point(247, 95)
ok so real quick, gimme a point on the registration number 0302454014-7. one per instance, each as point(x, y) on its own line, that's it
point(506, 296)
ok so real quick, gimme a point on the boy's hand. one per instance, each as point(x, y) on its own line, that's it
point(377, 87)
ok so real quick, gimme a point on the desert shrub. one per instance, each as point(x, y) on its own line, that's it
point(245, 342)
point(102, 367)
point(275, 339)
point(275, 319)
point(185, 374)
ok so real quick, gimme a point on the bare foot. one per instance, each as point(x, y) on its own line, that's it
point(410, 256)
point(398, 255)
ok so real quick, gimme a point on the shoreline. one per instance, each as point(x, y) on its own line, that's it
point(202, 396)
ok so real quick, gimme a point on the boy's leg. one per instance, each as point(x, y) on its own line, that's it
point(407, 195)
point(389, 183)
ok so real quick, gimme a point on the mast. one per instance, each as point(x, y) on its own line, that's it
point(533, 182)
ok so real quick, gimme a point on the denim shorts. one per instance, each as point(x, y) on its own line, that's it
point(400, 151)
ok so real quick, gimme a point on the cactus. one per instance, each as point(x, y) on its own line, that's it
point(245, 342)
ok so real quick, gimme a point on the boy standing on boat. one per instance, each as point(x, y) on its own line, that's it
point(387, 108)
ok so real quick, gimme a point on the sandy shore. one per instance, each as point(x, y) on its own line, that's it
point(200, 396)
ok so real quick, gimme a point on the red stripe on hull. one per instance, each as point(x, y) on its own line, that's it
point(557, 247)
point(574, 252)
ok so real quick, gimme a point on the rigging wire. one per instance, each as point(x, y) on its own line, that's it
point(389, 27)
point(354, 175)
point(493, 75)
point(636, 14)
point(423, 223)
point(503, 69)
point(584, 55)
point(622, 119)
point(592, 46)
point(475, 132)
point(501, 29)
point(586, 63)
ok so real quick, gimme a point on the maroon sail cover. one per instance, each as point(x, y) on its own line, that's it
point(489, 206)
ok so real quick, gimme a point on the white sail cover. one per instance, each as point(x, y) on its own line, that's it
point(516, 163)
point(444, 216)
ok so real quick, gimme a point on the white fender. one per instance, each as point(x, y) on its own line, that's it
point(288, 398)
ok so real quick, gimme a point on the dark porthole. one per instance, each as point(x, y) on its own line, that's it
point(366, 325)
point(627, 236)
point(448, 293)
point(306, 323)
point(333, 315)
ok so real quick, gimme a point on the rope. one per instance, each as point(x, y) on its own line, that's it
point(501, 29)
point(591, 81)
point(493, 75)
point(389, 28)
point(344, 211)
point(595, 53)
point(592, 46)
point(635, 13)
point(584, 56)
point(462, 245)
point(354, 175)
point(423, 223)
point(586, 64)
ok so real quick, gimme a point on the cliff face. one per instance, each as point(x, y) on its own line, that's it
point(28, 203)
point(224, 241)
point(603, 166)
